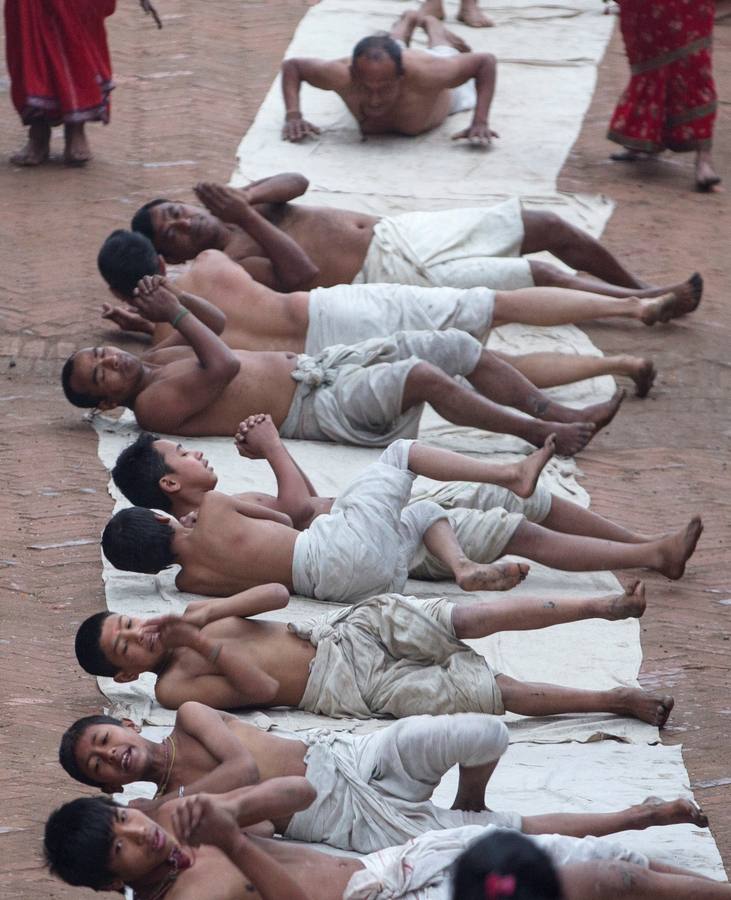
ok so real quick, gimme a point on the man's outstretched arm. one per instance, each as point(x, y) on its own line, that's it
point(327, 75)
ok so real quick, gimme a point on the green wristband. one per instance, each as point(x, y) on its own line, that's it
point(179, 316)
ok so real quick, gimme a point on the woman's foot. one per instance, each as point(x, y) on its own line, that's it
point(628, 155)
point(37, 148)
point(706, 177)
point(76, 151)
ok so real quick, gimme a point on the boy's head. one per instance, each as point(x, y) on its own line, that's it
point(118, 647)
point(151, 471)
point(124, 258)
point(505, 864)
point(140, 540)
point(94, 842)
point(102, 377)
point(105, 752)
point(180, 231)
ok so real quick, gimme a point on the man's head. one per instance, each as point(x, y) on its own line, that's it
point(140, 540)
point(124, 258)
point(376, 70)
point(117, 646)
point(180, 231)
point(102, 377)
point(94, 842)
point(151, 472)
point(505, 863)
point(104, 752)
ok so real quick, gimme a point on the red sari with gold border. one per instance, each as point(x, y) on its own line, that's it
point(670, 101)
point(58, 59)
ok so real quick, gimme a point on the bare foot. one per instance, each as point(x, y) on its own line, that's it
point(643, 373)
point(441, 36)
point(644, 705)
point(37, 148)
point(76, 151)
point(471, 14)
point(664, 308)
point(707, 179)
point(674, 812)
point(528, 470)
point(633, 155)
point(631, 605)
point(432, 8)
point(571, 437)
point(676, 550)
point(601, 414)
point(493, 577)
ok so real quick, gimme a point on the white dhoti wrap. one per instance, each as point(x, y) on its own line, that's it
point(354, 395)
point(459, 248)
point(350, 313)
point(470, 495)
point(394, 656)
point(374, 790)
point(368, 541)
point(420, 869)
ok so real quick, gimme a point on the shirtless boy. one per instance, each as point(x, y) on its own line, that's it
point(290, 246)
point(373, 791)
point(388, 656)
point(195, 847)
point(368, 394)
point(256, 317)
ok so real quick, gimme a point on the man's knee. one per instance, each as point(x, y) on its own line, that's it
point(545, 274)
point(422, 382)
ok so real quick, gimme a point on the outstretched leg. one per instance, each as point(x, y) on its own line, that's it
point(426, 383)
point(405, 26)
point(651, 813)
point(536, 699)
point(440, 36)
point(575, 553)
point(619, 880)
point(545, 369)
point(570, 518)
point(577, 248)
point(478, 620)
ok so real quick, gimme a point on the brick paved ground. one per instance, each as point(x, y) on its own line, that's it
point(185, 97)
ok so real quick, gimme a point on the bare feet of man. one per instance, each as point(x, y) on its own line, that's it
point(527, 471)
point(474, 576)
point(673, 812)
point(36, 150)
point(643, 705)
point(630, 605)
point(642, 372)
point(471, 14)
point(570, 438)
point(674, 551)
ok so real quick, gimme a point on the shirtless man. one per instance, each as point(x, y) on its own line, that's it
point(415, 662)
point(290, 246)
point(259, 318)
point(368, 394)
point(390, 89)
point(373, 790)
point(195, 847)
point(488, 520)
point(372, 539)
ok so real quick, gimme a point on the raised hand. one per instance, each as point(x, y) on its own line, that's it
point(172, 631)
point(297, 129)
point(477, 134)
point(126, 318)
point(256, 436)
point(154, 300)
point(228, 204)
point(205, 819)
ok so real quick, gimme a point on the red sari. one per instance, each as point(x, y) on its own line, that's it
point(670, 101)
point(58, 59)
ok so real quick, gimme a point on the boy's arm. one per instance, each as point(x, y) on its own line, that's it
point(260, 511)
point(176, 399)
point(326, 74)
point(280, 188)
point(291, 266)
point(252, 602)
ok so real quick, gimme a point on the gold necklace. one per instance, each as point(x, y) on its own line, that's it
point(169, 763)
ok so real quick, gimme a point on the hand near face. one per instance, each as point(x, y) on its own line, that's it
point(479, 135)
point(226, 203)
point(205, 819)
point(126, 318)
point(256, 436)
point(173, 631)
point(154, 300)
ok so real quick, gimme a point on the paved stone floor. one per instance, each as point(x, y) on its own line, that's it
point(184, 98)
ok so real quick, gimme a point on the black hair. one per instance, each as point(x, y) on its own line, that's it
point(85, 401)
point(78, 841)
point(134, 540)
point(142, 220)
point(70, 741)
point(137, 473)
point(376, 46)
point(504, 853)
point(124, 258)
point(89, 653)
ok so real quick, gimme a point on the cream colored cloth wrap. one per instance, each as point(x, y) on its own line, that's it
point(374, 790)
point(394, 656)
point(354, 395)
point(459, 248)
point(349, 313)
point(420, 869)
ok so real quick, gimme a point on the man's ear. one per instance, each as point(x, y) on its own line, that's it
point(125, 677)
point(128, 723)
point(161, 517)
point(161, 264)
point(169, 484)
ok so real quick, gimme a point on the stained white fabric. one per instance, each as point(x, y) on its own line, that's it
point(348, 314)
point(420, 870)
